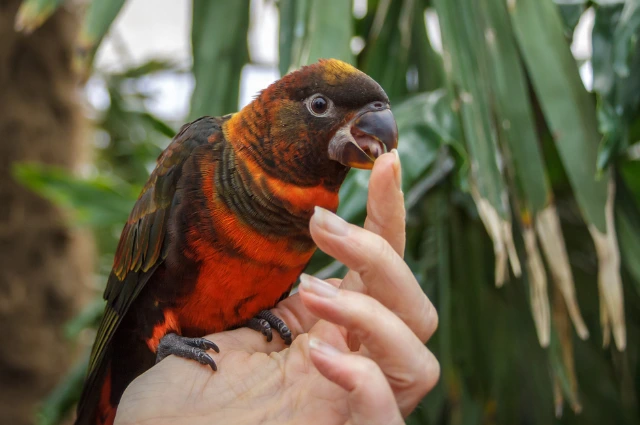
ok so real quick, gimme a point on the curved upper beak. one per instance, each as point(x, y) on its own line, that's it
point(372, 132)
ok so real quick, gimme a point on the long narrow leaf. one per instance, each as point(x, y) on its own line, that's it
point(314, 29)
point(96, 23)
point(423, 56)
point(464, 57)
point(570, 113)
point(33, 13)
point(386, 55)
point(220, 51)
point(287, 33)
point(59, 404)
point(515, 123)
point(565, 102)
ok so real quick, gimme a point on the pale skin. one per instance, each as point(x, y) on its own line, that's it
point(358, 356)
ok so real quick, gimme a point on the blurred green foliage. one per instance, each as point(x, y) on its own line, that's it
point(496, 132)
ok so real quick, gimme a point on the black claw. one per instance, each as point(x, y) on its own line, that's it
point(188, 348)
point(265, 321)
point(206, 359)
point(261, 326)
point(203, 343)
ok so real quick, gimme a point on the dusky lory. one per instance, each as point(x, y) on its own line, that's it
point(220, 232)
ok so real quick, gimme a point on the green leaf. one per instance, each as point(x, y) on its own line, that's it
point(611, 124)
point(439, 213)
point(566, 105)
point(514, 115)
point(95, 25)
point(329, 29)
point(628, 226)
point(33, 13)
point(602, 41)
point(220, 51)
point(629, 231)
point(630, 172)
point(89, 317)
point(607, 83)
point(570, 113)
point(466, 67)
point(147, 68)
point(571, 11)
point(294, 16)
point(158, 125)
point(427, 62)
point(98, 201)
point(314, 29)
point(388, 45)
point(626, 36)
point(287, 31)
point(425, 124)
point(60, 402)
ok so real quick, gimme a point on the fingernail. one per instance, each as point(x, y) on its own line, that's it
point(317, 286)
point(397, 169)
point(322, 347)
point(330, 222)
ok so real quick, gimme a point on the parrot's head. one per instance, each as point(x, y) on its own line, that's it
point(321, 120)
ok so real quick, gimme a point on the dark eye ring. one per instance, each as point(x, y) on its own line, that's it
point(319, 105)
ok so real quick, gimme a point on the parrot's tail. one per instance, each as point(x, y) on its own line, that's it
point(106, 412)
point(95, 406)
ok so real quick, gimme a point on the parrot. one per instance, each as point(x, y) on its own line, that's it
point(220, 231)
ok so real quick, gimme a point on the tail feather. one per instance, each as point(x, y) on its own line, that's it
point(95, 406)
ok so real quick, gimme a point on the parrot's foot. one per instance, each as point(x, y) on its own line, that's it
point(265, 321)
point(188, 348)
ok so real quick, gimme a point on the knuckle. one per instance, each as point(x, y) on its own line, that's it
point(419, 380)
point(384, 248)
point(434, 321)
point(429, 372)
point(375, 250)
point(423, 377)
point(364, 372)
point(428, 320)
point(364, 315)
point(433, 371)
point(375, 219)
point(403, 380)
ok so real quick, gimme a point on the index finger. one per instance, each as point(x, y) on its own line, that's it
point(385, 203)
point(385, 210)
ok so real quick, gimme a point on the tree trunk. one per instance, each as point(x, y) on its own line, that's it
point(45, 267)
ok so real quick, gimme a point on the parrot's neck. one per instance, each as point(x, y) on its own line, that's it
point(268, 198)
point(281, 151)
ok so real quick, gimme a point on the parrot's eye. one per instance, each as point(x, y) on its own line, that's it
point(318, 105)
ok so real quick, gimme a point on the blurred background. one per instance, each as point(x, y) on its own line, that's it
point(520, 141)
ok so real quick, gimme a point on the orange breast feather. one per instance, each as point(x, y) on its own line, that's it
point(232, 289)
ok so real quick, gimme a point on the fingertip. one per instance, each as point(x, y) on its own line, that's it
point(371, 400)
point(318, 346)
point(384, 167)
point(330, 232)
point(330, 222)
point(385, 160)
point(330, 362)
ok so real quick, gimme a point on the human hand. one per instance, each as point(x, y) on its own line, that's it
point(359, 355)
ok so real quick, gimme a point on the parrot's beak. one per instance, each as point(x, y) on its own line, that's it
point(372, 132)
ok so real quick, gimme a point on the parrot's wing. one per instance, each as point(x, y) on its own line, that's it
point(143, 244)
